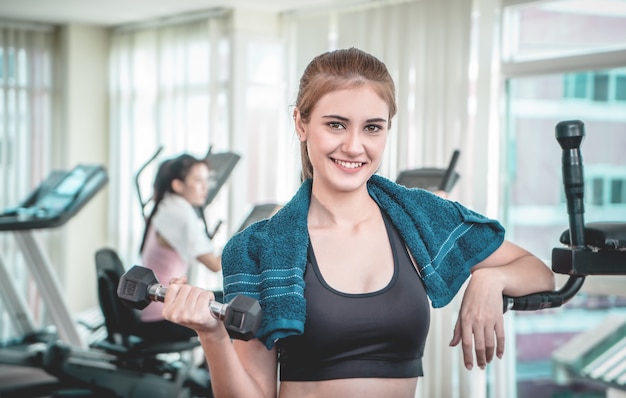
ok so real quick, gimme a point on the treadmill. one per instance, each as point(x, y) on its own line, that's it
point(54, 202)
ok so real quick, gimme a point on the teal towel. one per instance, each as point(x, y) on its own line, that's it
point(267, 260)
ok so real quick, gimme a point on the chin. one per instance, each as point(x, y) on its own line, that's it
point(349, 186)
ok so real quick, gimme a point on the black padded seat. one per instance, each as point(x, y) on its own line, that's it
point(602, 235)
point(121, 321)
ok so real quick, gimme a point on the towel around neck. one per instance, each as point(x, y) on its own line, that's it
point(267, 260)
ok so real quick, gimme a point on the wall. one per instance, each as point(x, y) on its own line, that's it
point(82, 137)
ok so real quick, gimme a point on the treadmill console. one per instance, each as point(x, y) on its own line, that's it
point(56, 199)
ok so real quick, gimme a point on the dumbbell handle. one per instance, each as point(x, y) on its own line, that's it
point(242, 315)
point(157, 292)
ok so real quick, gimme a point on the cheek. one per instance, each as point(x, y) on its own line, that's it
point(320, 143)
point(315, 149)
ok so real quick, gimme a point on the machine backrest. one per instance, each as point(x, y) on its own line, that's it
point(120, 320)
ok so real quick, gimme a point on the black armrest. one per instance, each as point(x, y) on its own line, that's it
point(601, 235)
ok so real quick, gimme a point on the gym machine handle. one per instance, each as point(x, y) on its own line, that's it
point(242, 316)
point(443, 186)
point(570, 135)
point(144, 203)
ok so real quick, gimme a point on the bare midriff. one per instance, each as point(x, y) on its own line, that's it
point(350, 388)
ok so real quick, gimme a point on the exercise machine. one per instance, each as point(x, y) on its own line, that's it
point(259, 212)
point(221, 166)
point(53, 203)
point(592, 249)
point(597, 356)
point(56, 360)
point(432, 178)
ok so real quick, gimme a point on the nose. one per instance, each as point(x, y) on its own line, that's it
point(352, 143)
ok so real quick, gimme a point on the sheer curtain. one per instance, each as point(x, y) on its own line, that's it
point(169, 87)
point(426, 46)
point(26, 60)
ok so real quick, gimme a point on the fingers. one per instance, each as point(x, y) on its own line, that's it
point(469, 340)
point(500, 339)
point(179, 279)
point(188, 305)
point(456, 335)
point(479, 341)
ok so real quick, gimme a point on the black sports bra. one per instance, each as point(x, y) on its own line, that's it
point(378, 334)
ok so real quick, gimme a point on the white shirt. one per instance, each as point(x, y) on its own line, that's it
point(178, 223)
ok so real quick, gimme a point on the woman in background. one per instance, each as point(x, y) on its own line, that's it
point(176, 236)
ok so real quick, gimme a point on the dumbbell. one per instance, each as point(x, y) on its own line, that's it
point(138, 287)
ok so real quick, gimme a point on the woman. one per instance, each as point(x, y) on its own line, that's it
point(346, 269)
point(176, 236)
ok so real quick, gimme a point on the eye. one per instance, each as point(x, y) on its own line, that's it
point(373, 128)
point(336, 125)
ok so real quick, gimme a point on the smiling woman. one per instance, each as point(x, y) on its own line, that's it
point(349, 244)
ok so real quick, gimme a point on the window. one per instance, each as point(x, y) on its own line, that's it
point(618, 191)
point(539, 30)
point(596, 86)
point(25, 129)
point(536, 213)
point(558, 56)
point(620, 88)
point(169, 88)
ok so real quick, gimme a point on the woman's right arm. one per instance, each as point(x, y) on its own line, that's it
point(238, 368)
point(211, 261)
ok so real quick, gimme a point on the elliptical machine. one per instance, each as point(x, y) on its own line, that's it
point(597, 248)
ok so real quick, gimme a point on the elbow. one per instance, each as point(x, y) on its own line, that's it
point(551, 280)
point(546, 277)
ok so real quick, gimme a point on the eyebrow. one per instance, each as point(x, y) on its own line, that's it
point(345, 119)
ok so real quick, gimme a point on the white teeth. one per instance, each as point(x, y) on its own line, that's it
point(349, 165)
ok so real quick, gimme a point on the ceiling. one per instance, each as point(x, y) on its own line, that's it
point(116, 12)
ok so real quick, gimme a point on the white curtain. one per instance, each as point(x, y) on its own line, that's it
point(26, 60)
point(426, 46)
point(169, 88)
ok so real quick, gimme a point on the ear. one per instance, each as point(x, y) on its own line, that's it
point(177, 186)
point(300, 125)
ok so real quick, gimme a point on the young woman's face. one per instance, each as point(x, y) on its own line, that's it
point(195, 187)
point(346, 137)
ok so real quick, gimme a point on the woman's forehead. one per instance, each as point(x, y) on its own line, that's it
point(363, 99)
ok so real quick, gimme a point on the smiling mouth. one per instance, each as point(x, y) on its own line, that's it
point(348, 165)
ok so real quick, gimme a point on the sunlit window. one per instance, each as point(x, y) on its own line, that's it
point(26, 93)
point(535, 212)
point(170, 90)
point(558, 28)
point(595, 86)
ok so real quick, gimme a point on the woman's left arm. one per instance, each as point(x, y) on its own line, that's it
point(511, 271)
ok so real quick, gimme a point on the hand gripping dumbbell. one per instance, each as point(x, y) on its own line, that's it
point(138, 287)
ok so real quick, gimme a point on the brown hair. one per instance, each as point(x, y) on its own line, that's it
point(338, 70)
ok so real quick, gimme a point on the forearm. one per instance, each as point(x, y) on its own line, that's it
point(212, 262)
point(524, 275)
point(229, 377)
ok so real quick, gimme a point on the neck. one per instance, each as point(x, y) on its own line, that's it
point(345, 208)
